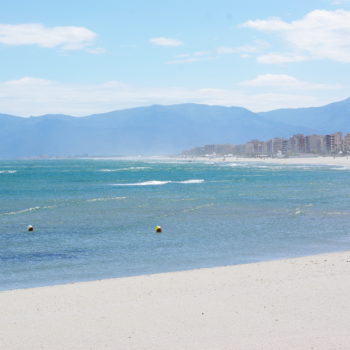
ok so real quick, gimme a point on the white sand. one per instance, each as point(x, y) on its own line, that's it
point(339, 161)
point(313, 160)
point(299, 303)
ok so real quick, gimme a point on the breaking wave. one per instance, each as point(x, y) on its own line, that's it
point(341, 168)
point(146, 183)
point(160, 183)
point(27, 210)
point(104, 199)
point(8, 171)
point(194, 181)
point(124, 169)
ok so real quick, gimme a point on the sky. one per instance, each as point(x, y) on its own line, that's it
point(85, 57)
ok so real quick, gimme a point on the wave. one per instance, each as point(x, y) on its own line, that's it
point(297, 211)
point(246, 165)
point(27, 210)
point(146, 183)
point(233, 164)
point(104, 199)
point(124, 169)
point(172, 162)
point(341, 168)
point(194, 181)
point(160, 183)
point(275, 166)
point(337, 213)
point(8, 171)
point(32, 209)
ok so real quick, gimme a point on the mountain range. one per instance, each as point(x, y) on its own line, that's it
point(160, 130)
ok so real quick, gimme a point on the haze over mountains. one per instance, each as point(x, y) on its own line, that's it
point(160, 130)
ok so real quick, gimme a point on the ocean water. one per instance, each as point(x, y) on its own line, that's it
point(95, 219)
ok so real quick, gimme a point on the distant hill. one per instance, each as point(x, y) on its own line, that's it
point(327, 119)
point(160, 130)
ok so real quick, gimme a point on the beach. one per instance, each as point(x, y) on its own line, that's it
point(230, 213)
point(299, 303)
point(314, 160)
point(340, 161)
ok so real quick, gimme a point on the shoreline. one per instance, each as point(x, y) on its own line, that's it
point(304, 160)
point(159, 273)
point(150, 274)
point(296, 303)
point(324, 161)
point(311, 160)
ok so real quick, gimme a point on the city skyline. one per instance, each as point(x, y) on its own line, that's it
point(333, 143)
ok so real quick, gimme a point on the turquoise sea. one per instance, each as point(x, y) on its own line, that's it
point(95, 219)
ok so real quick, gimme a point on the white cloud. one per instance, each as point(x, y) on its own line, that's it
point(185, 60)
point(191, 60)
point(183, 55)
point(200, 53)
point(28, 81)
point(321, 34)
point(34, 96)
point(161, 41)
point(284, 81)
point(200, 56)
point(224, 50)
point(272, 58)
point(258, 46)
point(66, 38)
point(96, 50)
point(197, 56)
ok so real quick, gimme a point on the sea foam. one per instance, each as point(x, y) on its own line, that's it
point(27, 210)
point(341, 168)
point(8, 171)
point(160, 183)
point(124, 169)
point(104, 199)
point(145, 183)
point(194, 181)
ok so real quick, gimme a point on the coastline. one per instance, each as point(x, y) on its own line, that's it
point(299, 303)
point(311, 160)
point(338, 161)
point(303, 160)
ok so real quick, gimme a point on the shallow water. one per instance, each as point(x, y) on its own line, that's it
point(95, 219)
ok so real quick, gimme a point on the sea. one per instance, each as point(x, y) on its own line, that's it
point(95, 218)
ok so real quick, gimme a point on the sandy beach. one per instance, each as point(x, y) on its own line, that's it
point(300, 303)
point(312, 160)
point(338, 161)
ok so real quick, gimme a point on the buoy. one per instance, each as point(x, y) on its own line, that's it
point(30, 228)
point(158, 229)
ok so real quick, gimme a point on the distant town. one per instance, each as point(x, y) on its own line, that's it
point(299, 144)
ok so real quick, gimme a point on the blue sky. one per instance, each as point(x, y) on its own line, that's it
point(86, 57)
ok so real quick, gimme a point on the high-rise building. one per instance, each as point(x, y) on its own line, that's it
point(314, 144)
point(334, 142)
point(297, 144)
point(347, 143)
point(338, 142)
point(255, 148)
point(329, 141)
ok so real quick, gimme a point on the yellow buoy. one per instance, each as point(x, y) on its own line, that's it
point(158, 229)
